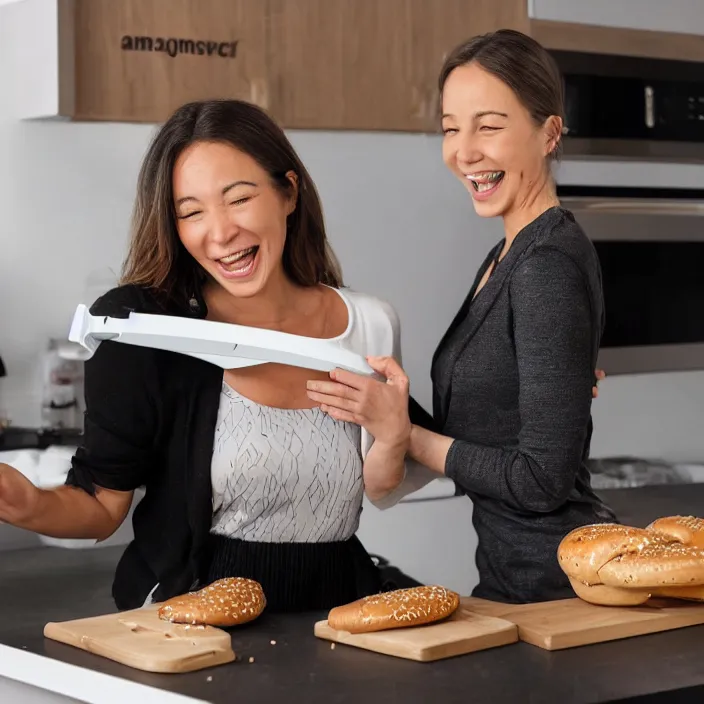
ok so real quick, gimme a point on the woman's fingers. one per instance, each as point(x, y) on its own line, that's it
point(338, 414)
point(388, 367)
point(338, 402)
point(332, 388)
point(354, 381)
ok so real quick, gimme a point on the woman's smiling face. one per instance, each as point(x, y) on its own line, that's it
point(230, 216)
point(491, 142)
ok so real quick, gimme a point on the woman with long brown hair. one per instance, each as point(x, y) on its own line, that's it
point(244, 475)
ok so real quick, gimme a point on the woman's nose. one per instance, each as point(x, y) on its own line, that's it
point(223, 228)
point(468, 149)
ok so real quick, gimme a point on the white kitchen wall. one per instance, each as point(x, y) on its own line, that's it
point(402, 227)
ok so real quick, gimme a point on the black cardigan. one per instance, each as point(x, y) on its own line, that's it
point(150, 421)
point(512, 383)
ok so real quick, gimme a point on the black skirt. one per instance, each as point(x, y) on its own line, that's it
point(296, 576)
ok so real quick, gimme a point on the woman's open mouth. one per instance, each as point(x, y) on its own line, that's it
point(485, 184)
point(240, 264)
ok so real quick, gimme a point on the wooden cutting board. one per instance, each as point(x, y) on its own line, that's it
point(464, 632)
point(569, 623)
point(140, 639)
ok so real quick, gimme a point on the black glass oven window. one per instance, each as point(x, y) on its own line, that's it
point(653, 292)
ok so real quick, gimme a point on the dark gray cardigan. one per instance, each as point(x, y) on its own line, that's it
point(512, 383)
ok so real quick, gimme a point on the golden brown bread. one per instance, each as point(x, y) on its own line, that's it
point(616, 565)
point(695, 593)
point(401, 608)
point(672, 564)
point(687, 529)
point(609, 596)
point(585, 550)
point(226, 602)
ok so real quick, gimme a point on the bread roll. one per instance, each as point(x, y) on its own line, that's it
point(397, 609)
point(695, 593)
point(226, 602)
point(656, 565)
point(584, 551)
point(687, 529)
point(609, 596)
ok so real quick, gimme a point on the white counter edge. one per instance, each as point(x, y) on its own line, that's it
point(80, 683)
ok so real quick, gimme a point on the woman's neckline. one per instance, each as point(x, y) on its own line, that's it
point(236, 395)
point(337, 338)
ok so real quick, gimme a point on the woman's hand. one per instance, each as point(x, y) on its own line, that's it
point(380, 407)
point(600, 376)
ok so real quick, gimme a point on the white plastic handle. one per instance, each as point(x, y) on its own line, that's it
point(222, 344)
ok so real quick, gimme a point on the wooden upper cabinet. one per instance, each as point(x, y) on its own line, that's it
point(141, 59)
point(313, 64)
point(341, 64)
point(370, 64)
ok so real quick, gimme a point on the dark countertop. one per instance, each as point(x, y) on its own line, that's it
point(639, 506)
point(53, 584)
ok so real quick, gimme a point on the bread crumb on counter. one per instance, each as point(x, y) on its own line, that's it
point(251, 659)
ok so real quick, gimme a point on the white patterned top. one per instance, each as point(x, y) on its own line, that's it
point(284, 476)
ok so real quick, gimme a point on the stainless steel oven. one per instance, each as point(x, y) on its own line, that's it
point(646, 221)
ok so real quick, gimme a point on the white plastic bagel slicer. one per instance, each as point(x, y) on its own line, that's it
point(223, 344)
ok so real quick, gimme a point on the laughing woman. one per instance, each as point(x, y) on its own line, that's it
point(513, 376)
point(244, 476)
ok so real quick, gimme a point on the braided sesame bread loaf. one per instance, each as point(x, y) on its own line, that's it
point(584, 551)
point(401, 608)
point(615, 565)
point(686, 529)
point(609, 596)
point(226, 602)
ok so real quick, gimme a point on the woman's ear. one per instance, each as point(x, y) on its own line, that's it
point(292, 177)
point(552, 129)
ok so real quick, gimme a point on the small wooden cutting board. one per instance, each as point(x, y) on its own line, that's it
point(569, 623)
point(140, 639)
point(464, 632)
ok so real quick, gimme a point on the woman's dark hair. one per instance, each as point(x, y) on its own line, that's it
point(156, 256)
point(521, 63)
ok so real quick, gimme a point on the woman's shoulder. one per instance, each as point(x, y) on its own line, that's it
point(369, 309)
point(120, 301)
point(562, 232)
point(375, 328)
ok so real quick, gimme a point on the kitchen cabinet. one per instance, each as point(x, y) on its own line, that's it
point(367, 64)
point(135, 60)
point(313, 64)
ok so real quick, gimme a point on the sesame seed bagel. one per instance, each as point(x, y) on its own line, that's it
point(225, 602)
point(671, 564)
point(401, 608)
point(687, 529)
point(584, 551)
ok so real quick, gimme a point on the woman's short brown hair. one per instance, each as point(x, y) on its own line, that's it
point(522, 63)
point(156, 256)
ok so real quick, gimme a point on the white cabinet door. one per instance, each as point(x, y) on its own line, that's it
point(685, 16)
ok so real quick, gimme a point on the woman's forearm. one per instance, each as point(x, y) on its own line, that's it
point(69, 512)
point(384, 469)
point(429, 449)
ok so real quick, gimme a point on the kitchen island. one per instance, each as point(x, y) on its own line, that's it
point(53, 584)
